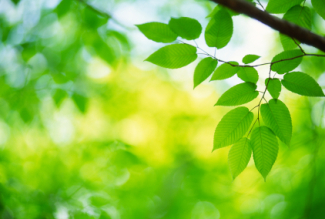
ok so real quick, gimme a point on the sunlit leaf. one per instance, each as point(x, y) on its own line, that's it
point(248, 74)
point(319, 6)
point(187, 28)
point(219, 30)
point(250, 58)
point(158, 32)
point(273, 87)
point(277, 117)
point(204, 69)
point(238, 94)
point(173, 56)
point(301, 83)
point(225, 71)
point(281, 6)
point(290, 63)
point(297, 15)
point(239, 156)
point(232, 127)
point(265, 149)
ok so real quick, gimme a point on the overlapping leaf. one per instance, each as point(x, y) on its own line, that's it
point(225, 71)
point(248, 74)
point(290, 63)
point(238, 94)
point(219, 30)
point(273, 86)
point(250, 58)
point(301, 83)
point(158, 32)
point(239, 156)
point(173, 56)
point(319, 6)
point(232, 127)
point(281, 6)
point(204, 69)
point(187, 28)
point(300, 16)
point(265, 149)
point(277, 117)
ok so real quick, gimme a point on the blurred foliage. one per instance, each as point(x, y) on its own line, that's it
point(86, 134)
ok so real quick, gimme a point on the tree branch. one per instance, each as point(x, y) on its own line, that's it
point(283, 26)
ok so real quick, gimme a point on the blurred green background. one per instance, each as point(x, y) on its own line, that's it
point(89, 130)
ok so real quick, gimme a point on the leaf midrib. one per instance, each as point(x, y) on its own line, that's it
point(234, 128)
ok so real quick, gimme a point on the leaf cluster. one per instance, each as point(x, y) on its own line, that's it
point(236, 128)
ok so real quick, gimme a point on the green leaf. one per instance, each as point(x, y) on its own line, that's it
point(219, 30)
point(319, 6)
point(225, 71)
point(80, 101)
point(204, 69)
point(277, 117)
point(300, 16)
point(281, 6)
point(288, 65)
point(158, 32)
point(265, 149)
point(185, 27)
point(303, 84)
point(238, 94)
point(173, 56)
point(250, 58)
point(15, 1)
point(248, 74)
point(239, 156)
point(93, 20)
point(220, 7)
point(232, 127)
point(59, 96)
point(274, 87)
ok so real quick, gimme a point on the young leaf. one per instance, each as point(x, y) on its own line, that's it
point(265, 149)
point(185, 27)
point(238, 94)
point(274, 87)
point(158, 32)
point(277, 117)
point(248, 74)
point(250, 58)
point(288, 65)
point(319, 6)
point(297, 15)
point(281, 6)
point(239, 156)
point(173, 56)
point(219, 30)
point(232, 127)
point(204, 69)
point(225, 71)
point(303, 84)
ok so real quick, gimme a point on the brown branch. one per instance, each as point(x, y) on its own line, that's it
point(283, 26)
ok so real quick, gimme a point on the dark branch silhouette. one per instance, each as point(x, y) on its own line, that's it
point(283, 26)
